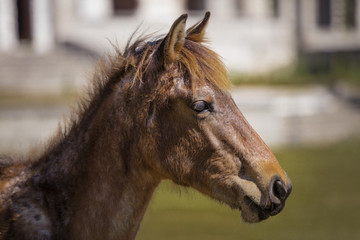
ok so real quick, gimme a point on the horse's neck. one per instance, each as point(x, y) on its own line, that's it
point(113, 206)
point(108, 186)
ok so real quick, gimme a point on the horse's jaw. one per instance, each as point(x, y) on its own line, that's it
point(240, 194)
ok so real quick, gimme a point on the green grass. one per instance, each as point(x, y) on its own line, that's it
point(324, 204)
point(13, 99)
point(336, 70)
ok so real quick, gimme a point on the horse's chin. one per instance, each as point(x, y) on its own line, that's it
point(253, 213)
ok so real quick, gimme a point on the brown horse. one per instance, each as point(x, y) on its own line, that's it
point(159, 110)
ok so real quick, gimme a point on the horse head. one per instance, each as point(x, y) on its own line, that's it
point(195, 134)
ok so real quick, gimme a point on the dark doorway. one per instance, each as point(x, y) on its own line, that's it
point(122, 7)
point(275, 8)
point(324, 13)
point(239, 7)
point(350, 14)
point(24, 20)
point(196, 5)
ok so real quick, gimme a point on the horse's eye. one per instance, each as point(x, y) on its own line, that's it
point(200, 106)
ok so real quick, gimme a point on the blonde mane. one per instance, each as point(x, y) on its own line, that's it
point(198, 60)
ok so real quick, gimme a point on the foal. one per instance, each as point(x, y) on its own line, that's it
point(159, 110)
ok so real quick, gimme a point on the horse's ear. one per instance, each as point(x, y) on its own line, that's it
point(174, 40)
point(196, 33)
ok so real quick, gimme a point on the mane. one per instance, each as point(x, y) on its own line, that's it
point(200, 62)
point(195, 58)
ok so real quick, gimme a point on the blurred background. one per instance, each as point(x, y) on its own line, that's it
point(295, 67)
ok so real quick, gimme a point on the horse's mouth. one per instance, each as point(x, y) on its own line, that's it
point(257, 213)
point(249, 201)
point(254, 212)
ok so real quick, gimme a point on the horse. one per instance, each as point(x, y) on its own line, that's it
point(160, 109)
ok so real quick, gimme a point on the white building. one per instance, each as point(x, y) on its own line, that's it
point(251, 35)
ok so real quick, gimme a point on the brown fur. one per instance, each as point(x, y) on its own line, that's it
point(140, 123)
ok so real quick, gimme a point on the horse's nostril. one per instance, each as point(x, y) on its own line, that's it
point(279, 190)
point(277, 195)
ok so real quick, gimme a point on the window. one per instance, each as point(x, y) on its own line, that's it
point(239, 7)
point(275, 8)
point(324, 13)
point(196, 5)
point(124, 6)
point(23, 19)
point(350, 14)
